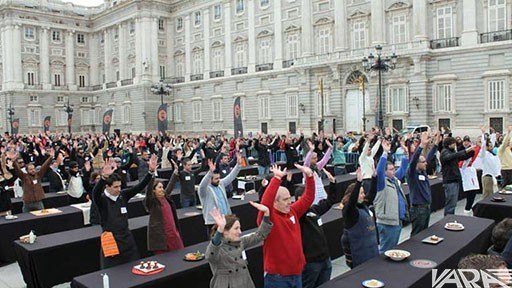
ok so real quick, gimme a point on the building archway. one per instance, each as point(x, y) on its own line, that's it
point(357, 101)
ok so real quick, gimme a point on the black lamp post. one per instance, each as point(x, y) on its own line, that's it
point(379, 64)
point(161, 89)
point(10, 112)
point(69, 110)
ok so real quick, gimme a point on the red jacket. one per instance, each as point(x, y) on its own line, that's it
point(477, 151)
point(282, 250)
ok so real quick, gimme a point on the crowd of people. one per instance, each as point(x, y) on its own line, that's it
point(98, 168)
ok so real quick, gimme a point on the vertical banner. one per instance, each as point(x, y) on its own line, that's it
point(162, 118)
point(46, 123)
point(107, 119)
point(237, 117)
point(15, 126)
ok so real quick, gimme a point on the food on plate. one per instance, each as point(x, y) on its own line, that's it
point(194, 256)
point(434, 238)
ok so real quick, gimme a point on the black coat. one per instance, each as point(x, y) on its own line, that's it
point(450, 164)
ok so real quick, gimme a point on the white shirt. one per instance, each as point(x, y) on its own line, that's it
point(366, 162)
point(490, 163)
point(76, 187)
point(110, 196)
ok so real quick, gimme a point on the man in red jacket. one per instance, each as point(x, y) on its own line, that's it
point(283, 258)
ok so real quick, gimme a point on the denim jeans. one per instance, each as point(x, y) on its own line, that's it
point(263, 170)
point(187, 202)
point(316, 273)
point(33, 206)
point(279, 281)
point(420, 216)
point(451, 195)
point(389, 236)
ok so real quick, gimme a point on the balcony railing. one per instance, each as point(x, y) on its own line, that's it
point(111, 85)
point(96, 87)
point(196, 77)
point(288, 63)
point(174, 80)
point(264, 67)
point(61, 87)
point(126, 82)
point(444, 43)
point(34, 87)
point(86, 88)
point(216, 74)
point(239, 70)
point(496, 36)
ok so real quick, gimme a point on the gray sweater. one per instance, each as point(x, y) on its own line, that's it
point(386, 205)
point(207, 196)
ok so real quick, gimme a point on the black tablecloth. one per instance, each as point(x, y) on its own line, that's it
point(474, 239)
point(51, 200)
point(496, 211)
point(59, 257)
point(179, 273)
point(71, 218)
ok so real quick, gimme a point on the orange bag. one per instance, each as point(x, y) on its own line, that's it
point(244, 162)
point(108, 244)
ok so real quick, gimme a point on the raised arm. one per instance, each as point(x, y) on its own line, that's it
point(270, 192)
point(320, 165)
point(375, 148)
point(302, 205)
point(231, 176)
point(381, 167)
point(307, 160)
point(130, 192)
point(206, 180)
point(150, 197)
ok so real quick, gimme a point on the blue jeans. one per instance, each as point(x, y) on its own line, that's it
point(263, 170)
point(33, 206)
point(316, 273)
point(451, 195)
point(186, 202)
point(389, 236)
point(279, 281)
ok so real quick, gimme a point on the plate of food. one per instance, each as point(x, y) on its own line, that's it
point(239, 197)
point(11, 217)
point(397, 255)
point(497, 199)
point(454, 226)
point(195, 256)
point(432, 240)
point(505, 192)
point(148, 268)
point(373, 283)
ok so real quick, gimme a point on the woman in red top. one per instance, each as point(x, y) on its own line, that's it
point(163, 228)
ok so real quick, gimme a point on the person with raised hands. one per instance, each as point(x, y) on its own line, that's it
point(359, 239)
point(284, 243)
point(419, 185)
point(226, 250)
point(212, 191)
point(316, 166)
point(112, 203)
point(390, 202)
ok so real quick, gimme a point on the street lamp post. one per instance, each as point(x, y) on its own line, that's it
point(69, 110)
point(379, 64)
point(10, 112)
point(161, 89)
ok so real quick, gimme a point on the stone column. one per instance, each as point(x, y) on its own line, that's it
point(16, 56)
point(469, 31)
point(377, 10)
point(228, 57)
point(278, 35)
point(44, 59)
point(307, 29)
point(122, 52)
point(206, 37)
point(107, 42)
point(340, 25)
point(188, 50)
point(139, 32)
point(70, 60)
point(93, 60)
point(419, 8)
point(251, 37)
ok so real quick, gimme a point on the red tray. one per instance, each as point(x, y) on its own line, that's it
point(138, 272)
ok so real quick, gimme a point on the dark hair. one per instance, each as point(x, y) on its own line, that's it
point(113, 178)
point(185, 161)
point(348, 192)
point(298, 192)
point(501, 234)
point(230, 221)
point(155, 183)
point(448, 141)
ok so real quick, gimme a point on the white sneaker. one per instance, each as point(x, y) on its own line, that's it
point(467, 211)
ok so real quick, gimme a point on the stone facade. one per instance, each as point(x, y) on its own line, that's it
point(452, 70)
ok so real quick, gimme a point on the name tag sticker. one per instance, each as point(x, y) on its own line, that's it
point(292, 219)
point(319, 221)
point(123, 210)
point(187, 178)
point(244, 256)
point(224, 171)
point(34, 181)
point(421, 178)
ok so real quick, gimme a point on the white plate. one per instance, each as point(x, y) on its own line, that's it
point(11, 217)
point(403, 254)
point(238, 197)
point(454, 226)
point(373, 283)
point(429, 240)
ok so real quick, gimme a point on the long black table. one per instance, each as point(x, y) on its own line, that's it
point(496, 211)
point(57, 258)
point(70, 218)
point(474, 239)
point(179, 273)
point(51, 200)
